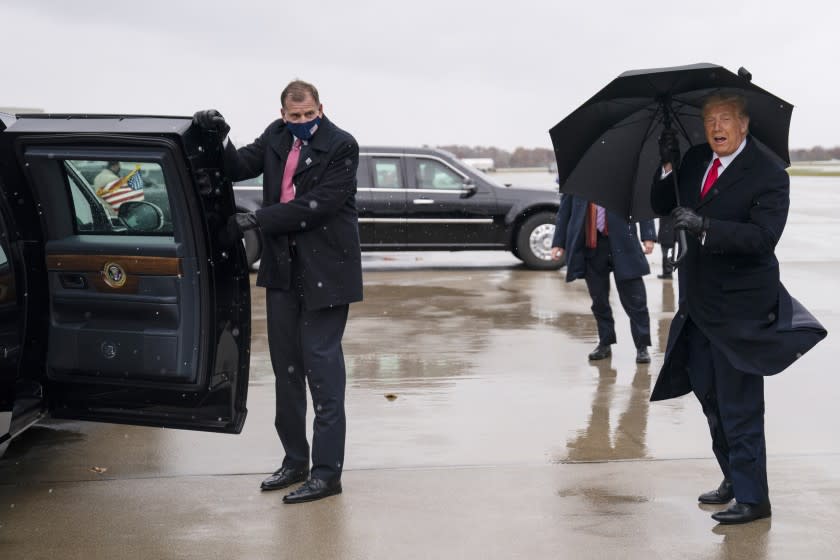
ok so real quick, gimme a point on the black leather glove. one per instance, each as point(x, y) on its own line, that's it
point(669, 147)
point(211, 119)
point(689, 220)
point(241, 222)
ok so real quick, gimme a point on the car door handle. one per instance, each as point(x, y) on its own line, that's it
point(73, 281)
point(423, 201)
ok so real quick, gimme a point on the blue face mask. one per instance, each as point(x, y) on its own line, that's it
point(305, 130)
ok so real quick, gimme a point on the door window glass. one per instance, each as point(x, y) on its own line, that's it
point(387, 173)
point(114, 197)
point(432, 174)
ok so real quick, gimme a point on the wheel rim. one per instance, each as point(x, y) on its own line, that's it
point(540, 241)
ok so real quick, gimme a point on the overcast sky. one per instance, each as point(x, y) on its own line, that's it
point(430, 72)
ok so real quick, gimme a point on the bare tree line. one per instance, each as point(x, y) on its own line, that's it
point(520, 157)
point(817, 153)
point(543, 157)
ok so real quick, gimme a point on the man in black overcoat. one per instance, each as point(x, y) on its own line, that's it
point(736, 323)
point(311, 269)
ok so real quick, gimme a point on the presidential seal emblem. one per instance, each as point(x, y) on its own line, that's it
point(114, 275)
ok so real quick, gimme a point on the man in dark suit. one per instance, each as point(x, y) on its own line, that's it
point(311, 269)
point(595, 242)
point(735, 322)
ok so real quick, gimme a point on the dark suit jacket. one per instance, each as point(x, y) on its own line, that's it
point(729, 286)
point(321, 221)
point(628, 258)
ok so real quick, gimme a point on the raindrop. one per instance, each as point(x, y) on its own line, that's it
point(771, 316)
point(798, 355)
point(291, 369)
point(51, 491)
point(319, 408)
point(235, 331)
point(313, 204)
point(219, 418)
point(320, 284)
point(303, 224)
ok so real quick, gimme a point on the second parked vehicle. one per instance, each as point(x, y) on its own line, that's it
point(426, 199)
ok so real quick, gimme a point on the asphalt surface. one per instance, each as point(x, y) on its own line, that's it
point(502, 441)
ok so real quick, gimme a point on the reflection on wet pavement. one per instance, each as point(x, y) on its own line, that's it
point(596, 442)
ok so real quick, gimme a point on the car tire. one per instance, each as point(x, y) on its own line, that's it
point(533, 242)
point(253, 246)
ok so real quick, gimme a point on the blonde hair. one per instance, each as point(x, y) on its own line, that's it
point(727, 98)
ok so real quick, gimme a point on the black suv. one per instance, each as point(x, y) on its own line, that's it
point(421, 199)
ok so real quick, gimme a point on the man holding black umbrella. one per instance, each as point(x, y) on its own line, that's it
point(736, 323)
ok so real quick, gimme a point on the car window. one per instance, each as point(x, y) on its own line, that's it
point(432, 174)
point(387, 173)
point(113, 197)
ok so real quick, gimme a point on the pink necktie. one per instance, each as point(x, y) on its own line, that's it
point(600, 218)
point(287, 188)
point(711, 177)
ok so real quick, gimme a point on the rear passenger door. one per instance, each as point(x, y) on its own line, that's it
point(445, 210)
point(137, 301)
point(381, 200)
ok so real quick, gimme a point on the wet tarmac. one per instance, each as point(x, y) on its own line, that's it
point(502, 442)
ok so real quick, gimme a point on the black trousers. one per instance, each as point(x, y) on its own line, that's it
point(305, 346)
point(667, 267)
point(733, 403)
point(631, 293)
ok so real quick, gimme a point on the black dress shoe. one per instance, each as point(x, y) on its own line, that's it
point(283, 477)
point(601, 351)
point(742, 513)
point(722, 495)
point(642, 356)
point(313, 489)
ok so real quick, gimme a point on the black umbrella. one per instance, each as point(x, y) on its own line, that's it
point(607, 150)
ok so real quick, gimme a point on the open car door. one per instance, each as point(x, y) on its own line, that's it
point(136, 302)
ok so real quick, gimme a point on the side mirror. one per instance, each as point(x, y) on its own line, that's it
point(468, 188)
point(139, 215)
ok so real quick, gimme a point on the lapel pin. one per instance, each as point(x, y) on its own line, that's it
point(308, 161)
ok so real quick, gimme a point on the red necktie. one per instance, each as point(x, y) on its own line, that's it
point(711, 177)
point(287, 188)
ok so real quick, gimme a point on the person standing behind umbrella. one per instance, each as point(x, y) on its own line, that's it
point(736, 322)
point(595, 242)
point(665, 237)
